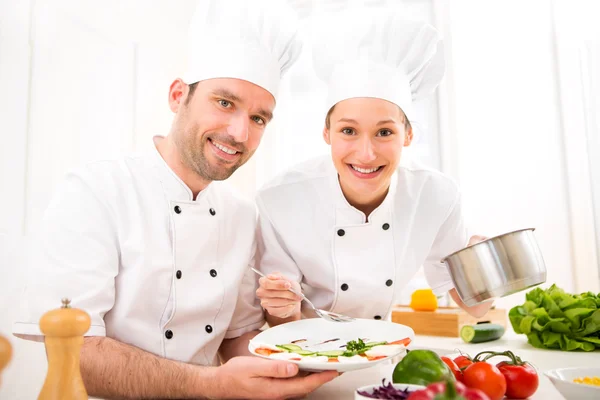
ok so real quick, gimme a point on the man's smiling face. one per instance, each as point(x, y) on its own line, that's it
point(219, 125)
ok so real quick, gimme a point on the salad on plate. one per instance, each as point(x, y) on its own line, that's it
point(335, 350)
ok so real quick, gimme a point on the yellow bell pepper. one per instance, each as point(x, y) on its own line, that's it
point(423, 300)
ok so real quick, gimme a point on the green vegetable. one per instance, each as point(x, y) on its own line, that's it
point(355, 347)
point(293, 348)
point(421, 367)
point(481, 332)
point(305, 353)
point(554, 319)
point(331, 353)
point(373, 344)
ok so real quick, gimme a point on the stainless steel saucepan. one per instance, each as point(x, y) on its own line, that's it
point(497, 267)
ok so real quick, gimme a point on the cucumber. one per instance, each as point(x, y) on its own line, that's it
point(305, 353)
point(331, 353)
point(289, 347)
point(481, 332)
point(373, 344)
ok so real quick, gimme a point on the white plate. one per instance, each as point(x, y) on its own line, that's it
point(562, 379)
point(319, 329)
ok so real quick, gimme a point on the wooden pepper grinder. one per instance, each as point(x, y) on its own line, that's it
point(64, 329)
point(5, 354)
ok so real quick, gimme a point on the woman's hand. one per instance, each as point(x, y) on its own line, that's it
point(275, 297)
point(478, 310)
point(476, 239)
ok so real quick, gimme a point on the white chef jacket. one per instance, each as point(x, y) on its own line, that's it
point(154, 268)
point(309, 232)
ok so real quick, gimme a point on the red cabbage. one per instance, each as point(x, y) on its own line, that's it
point(386, 392)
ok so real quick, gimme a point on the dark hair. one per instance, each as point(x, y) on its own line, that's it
point(328, 118)
point(191, 92)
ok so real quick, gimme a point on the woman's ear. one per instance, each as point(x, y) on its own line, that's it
point(326, 135)
point(409, 136)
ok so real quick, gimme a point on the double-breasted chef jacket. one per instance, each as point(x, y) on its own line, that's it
point(348, 263)
point(154, 267)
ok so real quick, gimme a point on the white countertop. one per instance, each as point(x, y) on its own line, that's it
point(344, 386)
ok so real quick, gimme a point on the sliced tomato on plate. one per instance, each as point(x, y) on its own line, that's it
point(374, 358)
point(266, 352)
point(405, 341)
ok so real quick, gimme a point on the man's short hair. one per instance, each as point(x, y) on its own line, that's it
point(191, 92)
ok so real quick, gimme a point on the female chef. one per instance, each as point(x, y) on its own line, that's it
point(351, 229)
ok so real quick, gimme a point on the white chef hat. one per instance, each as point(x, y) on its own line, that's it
point(377, 53)
point(256, 41)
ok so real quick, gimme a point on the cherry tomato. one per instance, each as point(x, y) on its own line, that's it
point(475, 394)
point(463, 362)
point(439, 388)
point(435, 388)
point(487, 378)
point(521, 380)
point(421, 395)
point(454, 368)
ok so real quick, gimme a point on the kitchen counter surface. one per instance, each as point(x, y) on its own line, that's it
point(344, 386)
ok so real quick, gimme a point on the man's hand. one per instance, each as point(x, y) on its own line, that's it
point(275, 297)
point(256, 378)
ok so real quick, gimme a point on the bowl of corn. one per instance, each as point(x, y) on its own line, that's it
point(576, 383)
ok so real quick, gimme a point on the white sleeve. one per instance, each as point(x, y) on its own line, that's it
point(74, 255)
point(272, 254)
point(248, 315)
point(452, 236)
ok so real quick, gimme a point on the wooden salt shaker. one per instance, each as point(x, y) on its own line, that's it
point(5, 354)
point(64, 329)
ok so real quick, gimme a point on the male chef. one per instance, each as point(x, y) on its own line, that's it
point(156, 249)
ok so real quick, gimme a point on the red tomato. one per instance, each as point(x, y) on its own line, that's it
point(461, 390)
point(487, 378)
point(440, 387)
point(421, 395)
point(374, 358)
point(521, 380)
point(463, 362)
point(454, 368)
point(266, 352)
point(475, 394)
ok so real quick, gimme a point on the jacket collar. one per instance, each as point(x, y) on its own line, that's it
point(175, 189)
point(346, 214)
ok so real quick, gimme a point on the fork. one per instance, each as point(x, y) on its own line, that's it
point(326, 315)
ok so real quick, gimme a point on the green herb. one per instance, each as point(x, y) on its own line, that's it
point(355, 347)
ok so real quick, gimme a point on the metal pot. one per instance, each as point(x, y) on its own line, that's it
point(497, 267)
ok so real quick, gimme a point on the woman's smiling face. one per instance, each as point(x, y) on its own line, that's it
point(366, 137)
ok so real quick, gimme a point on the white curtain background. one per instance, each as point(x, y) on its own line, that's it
point(515, 122)
point(590, 65)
